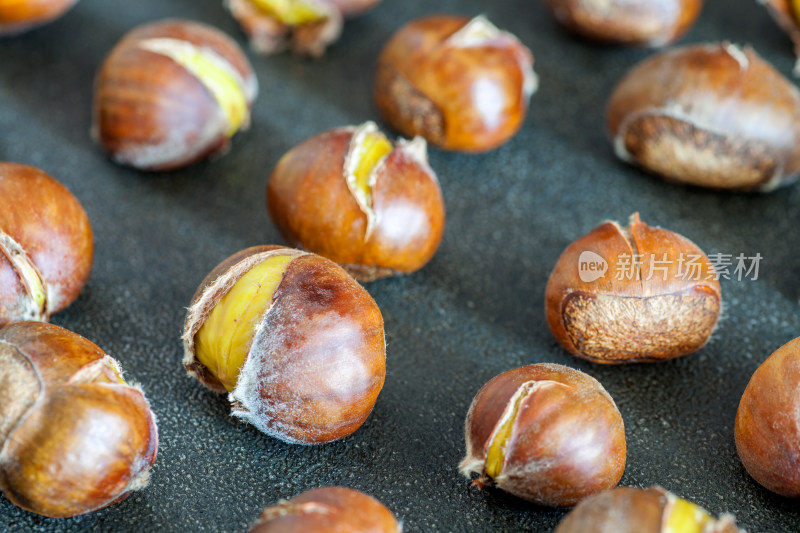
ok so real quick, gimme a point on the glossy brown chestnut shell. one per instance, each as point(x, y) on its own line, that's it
point(767, 429)
point(46, 245)
point(395, 228)
point(74, 437)
point(328, 509)
point(23, 15)
point(461, 84)
point(315, 358)
point(710, 115)
point(559, 434)
point(628, 22)
point(787, 14)
point(663, 306)
point(171, 93)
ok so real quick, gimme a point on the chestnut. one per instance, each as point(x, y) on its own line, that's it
point(171, 93)
point(296, 342)
point(767, 429)
point(305, 26)
point(18, 16)
point(462, 84)
point(328, 509)
point(652, 23)
point(46, 245)
point(74, 436)
point(546, 433)
point(652, 510)
point(352, 196)
point(787, 14)
point(710, 115)
point(632, 294)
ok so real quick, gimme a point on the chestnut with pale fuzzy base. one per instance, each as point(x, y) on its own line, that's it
point(316, 360)
point(767, 429)
point(328, 509)
point(20, 16)
point(567, 439)
point(655, 314)
point(711, 115)
point(74, 437)
point(46, 245)
point(394, 229)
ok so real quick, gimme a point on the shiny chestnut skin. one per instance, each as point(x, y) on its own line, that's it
point(651, 23)
point(46, 245)
point(787, 14)
point(668, 307)
point(767, 428)
point(74, 437)
point(23, 15)
point(652, 510)
point(394, 229)
point(152, 112)
point(566, 440)
point(327, 509)
point(315, 359)
point(710, 115)
point(462, 84)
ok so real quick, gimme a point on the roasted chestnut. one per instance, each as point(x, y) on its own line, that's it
point(710, 115)
point(17, 16)
point(171, 93)
point(46, 245)
point(462, 84)
point(74, 436)
point(328, 509)
point(767, 428)
point(352, 196)
point(632, 294)
point(296, 342)
point(787, 14)
point(546, 433)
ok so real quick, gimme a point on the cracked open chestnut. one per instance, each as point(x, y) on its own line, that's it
point(18, 16)
point(353, 196)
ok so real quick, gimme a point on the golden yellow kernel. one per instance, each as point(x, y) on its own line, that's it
point(496, 453)
point(292, 12)
point(685, 517)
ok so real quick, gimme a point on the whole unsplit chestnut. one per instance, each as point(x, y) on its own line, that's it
point(171, 93)
point(653, 510)
point(787, 14)
point(74, 436)
point(46, 245)
point(352, 196)
point(632, 294)
point(546, 433)
point(628, 22)
point(17, 16)
point(328, 509)
point(767, 428)
point(296, 342)
point(711, 115)
point(462, 84)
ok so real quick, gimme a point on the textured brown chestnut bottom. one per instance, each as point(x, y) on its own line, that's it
point(407, 109)
point(611, 329)
point(679, 151)
point(366, 273)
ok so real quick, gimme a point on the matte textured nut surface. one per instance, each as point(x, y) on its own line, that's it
point(710, 115)
point(74, 436)
point(635, 294)
point(352, 196)
point(545, 433)
point(17, 16)
point(46, 245)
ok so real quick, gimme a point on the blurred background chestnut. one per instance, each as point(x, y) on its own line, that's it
point(17, 16)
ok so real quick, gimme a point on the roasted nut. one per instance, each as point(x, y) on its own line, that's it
point(17, 16)
point(325, 510)
point(463, 85)
point(653, 510)
point(629, 22)
point(787, 14)
point(350, 195)
point(74, 437)
point(46, 245)
point(767, 426)
point(171, 93)
point(546, 433)
point(293, 339)
point(709, 115)
point(636, 294)
point(305, 26)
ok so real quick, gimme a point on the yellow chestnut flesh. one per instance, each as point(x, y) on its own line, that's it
point(291, 12)
point(371, 149)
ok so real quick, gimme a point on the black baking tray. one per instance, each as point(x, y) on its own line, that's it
point(477, 309)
